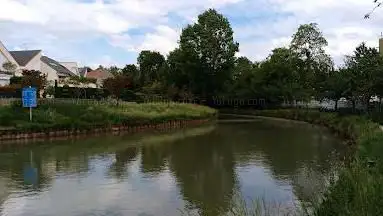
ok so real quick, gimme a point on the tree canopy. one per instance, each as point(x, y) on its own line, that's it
point(205, 66)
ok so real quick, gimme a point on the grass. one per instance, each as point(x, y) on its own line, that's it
point(358, 190)
point(72, 115)
point(258, 207)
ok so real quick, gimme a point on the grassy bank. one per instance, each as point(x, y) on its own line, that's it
point(56, 115)
point(359, 188)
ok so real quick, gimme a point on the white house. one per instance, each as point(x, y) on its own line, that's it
point(27, 60)
point(5, 56)
point(72, 66)
point(55, 71)
point(34, 60)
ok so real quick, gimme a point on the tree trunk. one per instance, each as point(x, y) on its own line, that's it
point(353, 105)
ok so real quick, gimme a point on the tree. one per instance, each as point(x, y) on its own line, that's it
point(363, 66)
point(132, 71)
point(34, 78)
point(309, 43)
point(337, 86)
point(114, 70)
point(243, 75)
point(281, 79)
point(9, 67)
point(117, 85)
point(210, 47)
point(151, 64)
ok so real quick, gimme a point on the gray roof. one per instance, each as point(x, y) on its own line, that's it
point(61, 70)
point(23, 57)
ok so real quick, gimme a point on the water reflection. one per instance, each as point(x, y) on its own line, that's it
point(199, 169)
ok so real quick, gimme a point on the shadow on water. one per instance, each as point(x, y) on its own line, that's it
point(198, 170)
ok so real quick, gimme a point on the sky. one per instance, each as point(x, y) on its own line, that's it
point(113, 32)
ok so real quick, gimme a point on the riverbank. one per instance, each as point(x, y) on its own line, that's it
point(59, 119)
point(358, 189)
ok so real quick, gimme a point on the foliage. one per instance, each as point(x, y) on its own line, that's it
point(210, 45)
point(84, 80)
point(117, 84)
point(9, 67)
point(133, 72)
point(151, 66)
point(309, 43)
point(204, 66)
point(114, 70)
point(34, 78)
point(50, 90)
point(363, 66)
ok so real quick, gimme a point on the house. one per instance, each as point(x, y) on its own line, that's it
point(34, 60)
point(55, 71)
point(99, 74)
point(5, 56)
point(27, 60)
point(72, 66)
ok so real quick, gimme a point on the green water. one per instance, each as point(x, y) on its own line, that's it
point(199, 170)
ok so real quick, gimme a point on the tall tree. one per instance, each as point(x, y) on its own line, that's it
point(281, 79)
point(243, 75)
point(210, 44)
point(132, 71)
point(364, 65)
point(309, 43)
point(151, 66)
point(337, 85)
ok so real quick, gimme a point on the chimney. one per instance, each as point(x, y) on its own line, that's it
point(381, 45)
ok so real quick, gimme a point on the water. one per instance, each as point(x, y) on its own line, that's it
point(199, 170)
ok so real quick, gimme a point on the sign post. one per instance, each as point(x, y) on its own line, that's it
point(29, 98)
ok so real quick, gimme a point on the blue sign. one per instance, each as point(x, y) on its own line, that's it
point(29, 97)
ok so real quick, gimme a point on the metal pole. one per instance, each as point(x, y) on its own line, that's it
point(30, 113)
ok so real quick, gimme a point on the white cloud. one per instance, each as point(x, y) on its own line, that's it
point(269, 23)
point(163, 40)
point(341, 21)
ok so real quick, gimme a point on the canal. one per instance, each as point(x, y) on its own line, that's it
point(206, 170)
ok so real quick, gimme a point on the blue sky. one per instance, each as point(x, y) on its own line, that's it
point(113, 32)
